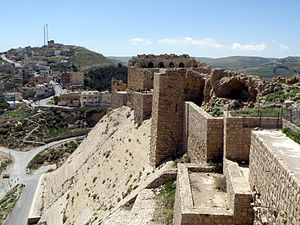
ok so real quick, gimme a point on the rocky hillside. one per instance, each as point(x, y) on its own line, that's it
point(110, 163)
point(264, 67)
point(85, 59)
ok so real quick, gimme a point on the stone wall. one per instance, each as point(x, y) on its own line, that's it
point(185, 213)
point(203, 134)
point(171, 88)
point(237, 134)
point(139, 78)
point(165, 61)
point(167, 114)
point(291, 114)
point(142, 103)
point(239, 192)
point(118, 99)
point(274, 176)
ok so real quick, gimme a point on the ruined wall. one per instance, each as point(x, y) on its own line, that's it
point(185, 213)
point(203, 134)
point(142, 103)
point(118, 99)
point(118, 96)
point(139, 78)
point(237, 132)
point(165, 61)
point(274, 175)
point(167, 114)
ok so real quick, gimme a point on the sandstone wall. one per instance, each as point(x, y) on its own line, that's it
point(142, 103)
point(203, 134)
point(237, 134)
point(139, 78)
point(274, 175)
point(239, 193)
point(167, 114)
point(159, 61)
point(185, 213)
point(118, 99)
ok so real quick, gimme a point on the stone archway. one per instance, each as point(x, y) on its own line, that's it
point(181, 65)
point(150, 65)
point(171, 65)
point(161, 65)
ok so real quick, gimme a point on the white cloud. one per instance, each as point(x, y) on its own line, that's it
point(140, 41)
point(206, 42)
point(249, 47)
point(273, 40)
point(284, 47)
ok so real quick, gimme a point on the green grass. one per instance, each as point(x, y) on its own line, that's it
point(55, 155)
point(4, 165)
point(251, 112)
point(168, 192)
point(293, 134)
point(183, 159)
point(282, 96)
point(220, 183)
point(85, 59)
point(20, 113)
point(8, 202)
point(56, 132)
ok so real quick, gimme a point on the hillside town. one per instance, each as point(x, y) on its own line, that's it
point(33, 76)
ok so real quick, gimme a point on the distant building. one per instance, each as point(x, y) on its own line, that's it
point(14, 104)
point(12, 96)
point(44, 90)
point(65, 79)
point(68, 98)
point(77, 78)
point(90, 98)
point(51, 43)
point(28, 92)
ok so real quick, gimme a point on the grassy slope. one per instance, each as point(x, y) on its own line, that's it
point(85, 59)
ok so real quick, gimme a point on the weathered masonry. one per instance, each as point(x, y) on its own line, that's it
point(260, 164)
point(274, 175)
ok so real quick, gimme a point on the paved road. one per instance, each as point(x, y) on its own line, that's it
point(57, 89)
point(18, 175)
point(10, 61)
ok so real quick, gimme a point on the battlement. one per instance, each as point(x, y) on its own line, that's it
point(165, 61)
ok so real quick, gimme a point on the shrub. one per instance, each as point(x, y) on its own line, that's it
point(220, 183)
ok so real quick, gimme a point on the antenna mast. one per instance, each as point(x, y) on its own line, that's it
point(44, 35)
point(47, 32)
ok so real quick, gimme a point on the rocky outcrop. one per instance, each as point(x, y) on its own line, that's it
point(287, 80)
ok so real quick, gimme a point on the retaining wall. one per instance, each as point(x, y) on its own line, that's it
point(142, 103)
point(274, 175)
point(203, 134)
point(186, 214)
point(237, 132)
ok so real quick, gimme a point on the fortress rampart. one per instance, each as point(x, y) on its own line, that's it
point(173, 97)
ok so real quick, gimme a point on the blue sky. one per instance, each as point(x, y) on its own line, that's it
point(211, 28)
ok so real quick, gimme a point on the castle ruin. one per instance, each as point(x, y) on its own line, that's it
point(262, 180)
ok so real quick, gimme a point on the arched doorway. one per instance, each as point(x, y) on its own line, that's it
point(161, 65)
point(150, 65)
point(171, 65)
point(181, 65)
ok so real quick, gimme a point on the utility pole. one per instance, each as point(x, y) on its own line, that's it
point(47, 32)
point(44, 35)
